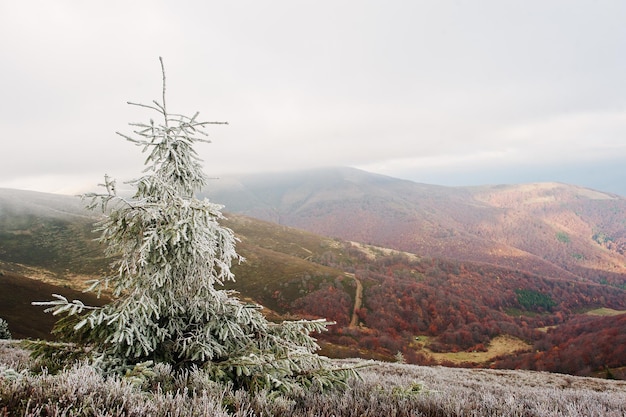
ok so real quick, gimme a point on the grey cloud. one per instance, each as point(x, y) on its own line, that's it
point(311, 84)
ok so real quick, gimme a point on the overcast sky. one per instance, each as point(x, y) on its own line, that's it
point(444, 92)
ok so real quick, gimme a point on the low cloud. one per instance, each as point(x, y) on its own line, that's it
point(441, 92)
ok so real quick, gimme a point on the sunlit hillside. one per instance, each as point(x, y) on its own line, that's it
point(551, 229)
point(431, 310)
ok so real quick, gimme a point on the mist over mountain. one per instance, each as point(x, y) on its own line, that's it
point(606, 176)
point(548, 228)
point(514, 276)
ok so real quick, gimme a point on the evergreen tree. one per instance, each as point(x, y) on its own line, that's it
point(170, 255)
point(4, 329)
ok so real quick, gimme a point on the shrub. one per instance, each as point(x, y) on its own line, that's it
point(4, 329)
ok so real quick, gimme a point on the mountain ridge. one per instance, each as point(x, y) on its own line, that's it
point(538, 225)
point(452, 303)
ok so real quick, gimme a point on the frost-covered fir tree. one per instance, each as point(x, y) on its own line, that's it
point(4, 329)
point(171, 255)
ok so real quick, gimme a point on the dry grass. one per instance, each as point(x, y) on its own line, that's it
point(385, 389)
point(546, 328)
point(499, 346)
point(373, 252)
point(605, 312)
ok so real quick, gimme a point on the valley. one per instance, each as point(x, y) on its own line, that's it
point(519, 277)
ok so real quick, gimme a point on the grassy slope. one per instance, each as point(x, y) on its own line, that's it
point(16, 294)
point(605, 312)
point(499, 346)
point(280, 260)
point(547, 229)
point(49, 238)
point(385, 389)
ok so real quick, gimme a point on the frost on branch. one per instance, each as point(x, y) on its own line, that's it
point(170, 254)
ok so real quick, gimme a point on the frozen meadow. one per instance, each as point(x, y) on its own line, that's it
point(385, 389)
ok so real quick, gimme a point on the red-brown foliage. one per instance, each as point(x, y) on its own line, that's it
point(462, 306)
point(581, 346)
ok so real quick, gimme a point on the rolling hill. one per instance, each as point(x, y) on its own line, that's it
point(499, 291)
point(48, 239)
point(550, 229)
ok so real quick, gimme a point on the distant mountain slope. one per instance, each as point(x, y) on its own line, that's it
point(551, 229)
point(50, 232)
point(449, 305)
point(49, 238)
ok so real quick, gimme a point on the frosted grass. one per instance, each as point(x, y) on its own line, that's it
point(385, 389)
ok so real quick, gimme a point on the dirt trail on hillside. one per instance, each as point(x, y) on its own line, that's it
point(358, 300)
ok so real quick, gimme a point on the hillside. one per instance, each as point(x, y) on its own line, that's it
point(48, 236)
point(17, 293)
point(549, 229)
point(49, 239)
point(432, 310)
